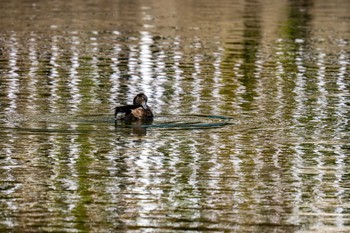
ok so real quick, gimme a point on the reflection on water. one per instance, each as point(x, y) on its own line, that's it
point(252, 116)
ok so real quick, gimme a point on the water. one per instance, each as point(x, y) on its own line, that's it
point(251, 132)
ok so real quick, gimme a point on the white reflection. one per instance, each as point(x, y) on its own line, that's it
point(53, 77)
point(13, 76)
point(133, 82)
point(9, 164)
point(300, 83)
point(73, 75)
point(215, 170)
point(260, 82)
point(95, 77)
point(299, 152)
point(70, 177)
point(341, 104)
point(146, 62)
point(64, 178)
point(115, 76)
point(217, 77)
point(279, 82)
point(34, 63)
point(145, 169)
point(161, 77)
point(341, 122)
point(240, 89)
point(177, 56)
point(322, 91)
point(196, 83)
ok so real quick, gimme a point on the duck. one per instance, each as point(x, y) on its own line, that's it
point(139, 110)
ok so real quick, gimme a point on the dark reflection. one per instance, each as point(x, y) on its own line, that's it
point(241, 58)
point(138, 127)
point(251, 42)
point(299, 19)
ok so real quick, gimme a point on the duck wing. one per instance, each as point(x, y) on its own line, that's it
point(126, 109)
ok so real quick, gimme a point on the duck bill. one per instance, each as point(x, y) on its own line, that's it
point(144, 105)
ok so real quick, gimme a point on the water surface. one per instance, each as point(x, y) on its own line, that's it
point(252, 109)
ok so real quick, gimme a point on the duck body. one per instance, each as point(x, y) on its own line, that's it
point(139, 110)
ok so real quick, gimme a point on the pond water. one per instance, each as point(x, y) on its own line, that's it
point(252, 114)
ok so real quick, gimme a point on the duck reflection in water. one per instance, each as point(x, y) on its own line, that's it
point(136, 114)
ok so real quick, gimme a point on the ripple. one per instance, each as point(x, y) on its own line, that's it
point(54, 123)
point(184, 122)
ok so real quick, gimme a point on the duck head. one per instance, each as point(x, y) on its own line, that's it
point(141, 99)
